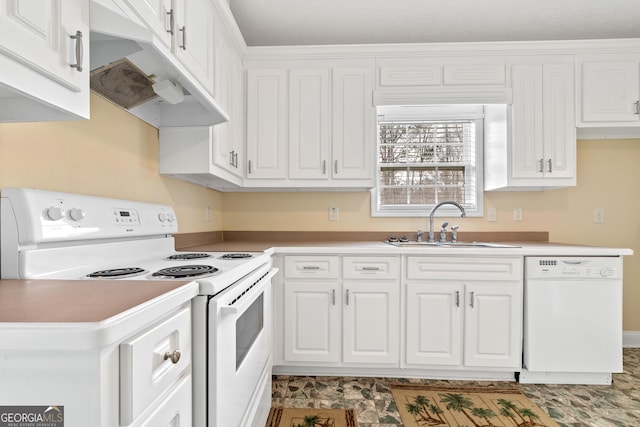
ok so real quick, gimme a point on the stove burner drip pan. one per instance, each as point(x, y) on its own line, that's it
point(236, 256)
point(117, 273)
point(184, 271)
point(189, 256)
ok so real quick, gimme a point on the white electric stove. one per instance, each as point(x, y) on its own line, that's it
point(54, 235)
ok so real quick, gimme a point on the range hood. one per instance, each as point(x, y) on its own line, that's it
point(120, 45)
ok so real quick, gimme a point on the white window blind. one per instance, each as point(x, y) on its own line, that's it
point(424, 162)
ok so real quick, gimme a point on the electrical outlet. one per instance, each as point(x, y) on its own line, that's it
point(208, 213)
point(517, 214)
point(333, 214)
point(492, 215)
point(598, 216)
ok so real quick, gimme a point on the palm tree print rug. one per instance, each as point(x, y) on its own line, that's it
point(425, 405)
point(309, 417)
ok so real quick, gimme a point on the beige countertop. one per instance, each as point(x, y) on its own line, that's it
point(83, 314)
point(75, 300)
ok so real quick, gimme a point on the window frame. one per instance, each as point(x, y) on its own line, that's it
point(426, 113)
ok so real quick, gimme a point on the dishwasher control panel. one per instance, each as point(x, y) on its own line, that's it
point(573, 267)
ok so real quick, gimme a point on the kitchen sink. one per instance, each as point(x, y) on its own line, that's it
point(413, 243)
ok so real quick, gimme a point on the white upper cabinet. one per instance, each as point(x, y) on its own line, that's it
point(310, 126)
point(159, 16)
point(539, 150)
point(309, 123)
point(228, 138)
point(443, 71)
point(609, 90)
point(353, 142)
point(193, 44)
point(44, 58)
point(266, 124)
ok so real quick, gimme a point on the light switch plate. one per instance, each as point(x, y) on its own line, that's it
point(333, 214)
point(492, 215)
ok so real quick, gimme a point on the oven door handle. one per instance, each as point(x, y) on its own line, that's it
point(249, 297)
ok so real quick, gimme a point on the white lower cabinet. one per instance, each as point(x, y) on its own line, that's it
point(135, 372)
point(330, 321)
point(464, 312)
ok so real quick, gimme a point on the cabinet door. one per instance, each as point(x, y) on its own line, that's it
point(527, 130)
point(543, 131)
point(371, 322)
point(309, 124)
point(194, 39)
point(353, 142)
point(493, 326)
point(434, 324)
point(224, 134)
point(39, 36)
point(559, 134)
point(610, 91)
point(311, 322)
point(158, 15)
point(266, 124)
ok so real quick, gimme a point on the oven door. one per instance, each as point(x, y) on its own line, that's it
point(240, 351)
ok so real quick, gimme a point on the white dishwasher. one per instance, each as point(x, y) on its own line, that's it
point(572, 320)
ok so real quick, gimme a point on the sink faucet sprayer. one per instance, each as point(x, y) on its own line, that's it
point(433, 211)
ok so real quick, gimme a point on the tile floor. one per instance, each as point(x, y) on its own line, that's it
point(617, 405)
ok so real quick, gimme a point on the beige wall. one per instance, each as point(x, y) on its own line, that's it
point(115, 155)
point(112, 155)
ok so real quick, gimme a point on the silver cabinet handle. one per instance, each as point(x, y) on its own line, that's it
point(471, 298)
point(174, 357)
point(637, 104)
point(324, 167)
point(347, 297)
point(457, 298)
point(550, 163)
point(233, 157)
point(249, 167)
point(183, 46)
point(235, 160)
point(171, 22)
point(79, 51)
point(541, 165)
point(370, 268)
point(333, 296)
point(311, 267)
point(335, 166)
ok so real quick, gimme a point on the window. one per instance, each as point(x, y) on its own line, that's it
point(427, 155)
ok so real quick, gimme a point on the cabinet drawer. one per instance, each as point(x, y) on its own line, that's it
point(145, 373)
point(311, 267)
point(174, 411)
point(370, 267)
point(464, 268)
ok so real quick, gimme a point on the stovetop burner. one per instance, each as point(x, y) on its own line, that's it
point(184, 271)
point(117, 273)
point(236, 256)
point(196, 255)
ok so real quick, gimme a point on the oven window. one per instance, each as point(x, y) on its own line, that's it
point(248, 327)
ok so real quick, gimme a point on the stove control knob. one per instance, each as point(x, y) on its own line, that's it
point(77, 214)
point(162, 216)
point(171, 217)
point(55, 213)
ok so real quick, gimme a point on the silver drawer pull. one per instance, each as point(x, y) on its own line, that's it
point(370, 268)
point(637, 105)
point(79, 51)
point(174, 357)
point(311, 267)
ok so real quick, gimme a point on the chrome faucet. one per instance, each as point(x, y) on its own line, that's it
point(433, 211)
